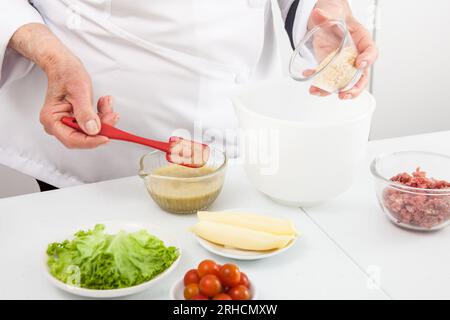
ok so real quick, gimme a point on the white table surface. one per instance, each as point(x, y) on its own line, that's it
point(406, 264)
point(346, 249)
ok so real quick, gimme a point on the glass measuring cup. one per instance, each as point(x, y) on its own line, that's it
point(326, 56)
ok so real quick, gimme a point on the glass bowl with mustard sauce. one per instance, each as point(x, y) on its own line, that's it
point(179, 189)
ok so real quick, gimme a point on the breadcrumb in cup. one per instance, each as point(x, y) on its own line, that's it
point(338, 71)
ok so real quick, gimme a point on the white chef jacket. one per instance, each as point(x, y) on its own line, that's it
point(171, 66)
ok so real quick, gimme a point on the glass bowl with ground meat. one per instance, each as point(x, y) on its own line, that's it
point(179, 189)
point(413, 188)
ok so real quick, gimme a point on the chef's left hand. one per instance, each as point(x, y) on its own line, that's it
point(368, 53)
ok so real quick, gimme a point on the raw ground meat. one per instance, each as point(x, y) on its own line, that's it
point(418, 209)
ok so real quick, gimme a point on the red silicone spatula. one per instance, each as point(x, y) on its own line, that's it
point(178, 150)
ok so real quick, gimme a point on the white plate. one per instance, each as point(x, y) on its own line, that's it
point(177, 291)
point(113, 227)
point(238, 254)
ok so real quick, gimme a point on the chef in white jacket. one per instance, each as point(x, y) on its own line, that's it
point(162, 65)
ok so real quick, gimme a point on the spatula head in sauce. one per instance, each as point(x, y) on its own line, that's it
point(187, 153)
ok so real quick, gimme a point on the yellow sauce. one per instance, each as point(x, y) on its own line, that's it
point(184, 195)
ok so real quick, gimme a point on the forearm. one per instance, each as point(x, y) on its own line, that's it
point(36, 42)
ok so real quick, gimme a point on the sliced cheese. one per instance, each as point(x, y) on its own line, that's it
point(239, 237)
point(256, 222)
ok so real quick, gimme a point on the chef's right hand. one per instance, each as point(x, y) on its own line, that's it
point(69, 91)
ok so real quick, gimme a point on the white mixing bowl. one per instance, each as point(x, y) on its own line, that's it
point(300, 149)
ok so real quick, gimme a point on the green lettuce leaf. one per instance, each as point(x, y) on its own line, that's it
point(96, 260)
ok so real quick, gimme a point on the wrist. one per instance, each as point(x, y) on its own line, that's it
point(53, 63)
point(337, 9)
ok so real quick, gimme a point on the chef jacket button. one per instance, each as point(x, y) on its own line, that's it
point(241, 78)
point(256, 3)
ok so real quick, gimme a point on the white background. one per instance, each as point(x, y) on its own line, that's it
point(410, 79)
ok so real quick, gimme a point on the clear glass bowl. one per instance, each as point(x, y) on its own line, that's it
point(410, 207)
point(180, 189)
point(326, 56)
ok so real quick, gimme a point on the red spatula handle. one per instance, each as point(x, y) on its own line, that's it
point(114, 133)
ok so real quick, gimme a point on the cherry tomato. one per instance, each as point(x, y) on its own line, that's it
point(191, 277)
point(244, 280)
point(210, 285)
point(222, 296)
point(230, 275)
point(239, 292)
point(207, 267)
point(199, 297)
point(191, 290)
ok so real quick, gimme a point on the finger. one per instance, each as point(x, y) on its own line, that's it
point(105, 111)
point(367, 57)
point(356, 89)
point(74, 139)
point(318, 92)
point(110, 118)
point(367, 49)
point(308, 72)
point(105, 105)
point(80, 97)
point(53, 113)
